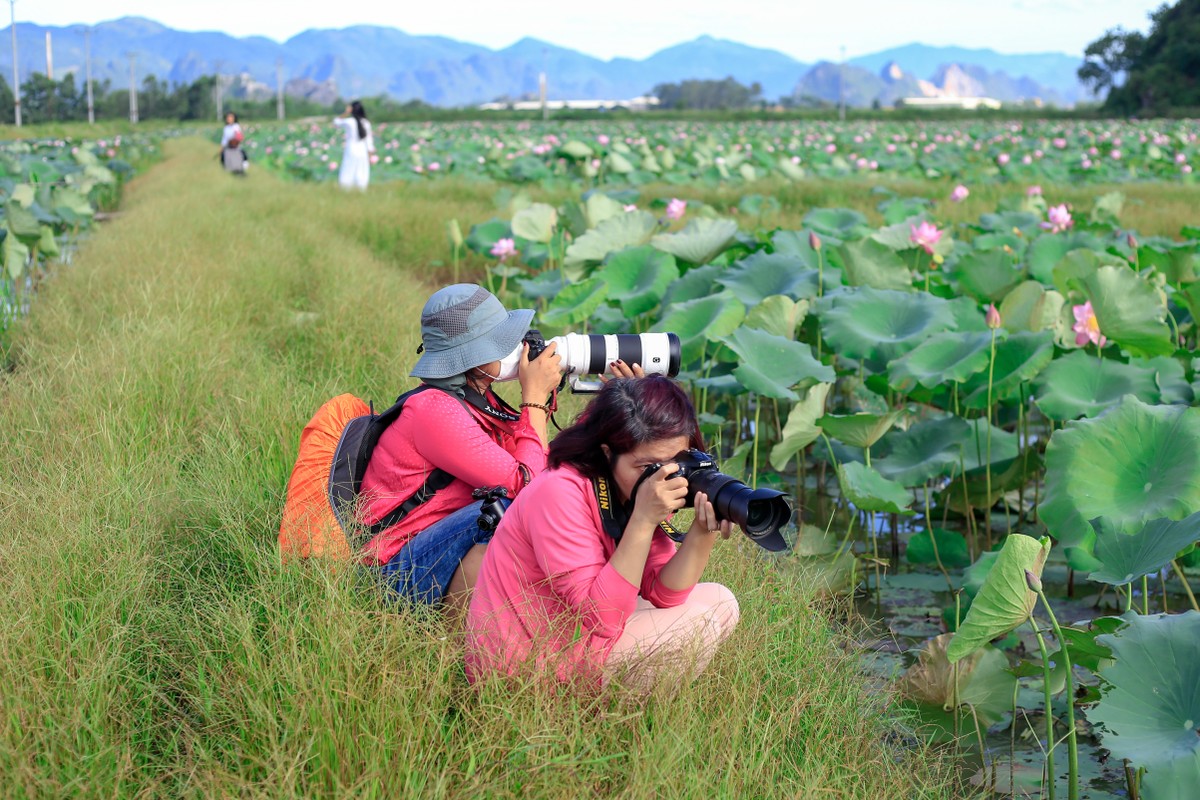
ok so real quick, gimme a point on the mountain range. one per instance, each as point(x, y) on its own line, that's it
point(365, 61)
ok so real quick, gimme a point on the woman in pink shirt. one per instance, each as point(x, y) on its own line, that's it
point(462, 428)
point(557, 592)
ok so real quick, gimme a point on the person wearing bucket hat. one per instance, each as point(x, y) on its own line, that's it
point(433, 553)
point(582, 580)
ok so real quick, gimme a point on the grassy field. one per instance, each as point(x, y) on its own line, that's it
point(153, 646)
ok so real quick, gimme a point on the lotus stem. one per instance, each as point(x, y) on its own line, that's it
point(757, 435)
point(1187, 587)
point(987, 512)
point(1048, 699)
point(1146, 595)
point(933, 540)
point(954, 688)
point(1072, 743)
point(1131, 781)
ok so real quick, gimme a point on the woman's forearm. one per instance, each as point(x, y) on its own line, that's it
point(684, 569)
point(629, 559)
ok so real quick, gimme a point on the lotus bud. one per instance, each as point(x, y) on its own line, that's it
point(814, 241)
point(454, 234)
point(1131, 240)
point(993, 317)
point(1033, 581)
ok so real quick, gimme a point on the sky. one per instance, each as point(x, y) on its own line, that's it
point(805, 30)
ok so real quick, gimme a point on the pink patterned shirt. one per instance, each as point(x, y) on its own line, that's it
point(435, 430)
point(547, 593)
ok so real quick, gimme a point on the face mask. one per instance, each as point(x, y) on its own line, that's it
point(509, 366)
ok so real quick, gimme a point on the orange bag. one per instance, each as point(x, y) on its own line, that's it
point(310, 527)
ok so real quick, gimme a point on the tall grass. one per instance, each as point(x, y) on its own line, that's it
point(152, 645)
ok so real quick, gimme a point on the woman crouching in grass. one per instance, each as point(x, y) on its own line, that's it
point(565, 588)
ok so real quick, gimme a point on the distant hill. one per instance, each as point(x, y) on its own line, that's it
point(364, 61)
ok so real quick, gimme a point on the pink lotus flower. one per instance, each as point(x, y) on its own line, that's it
point(333, 165)
point(1059, 219)
point(374, 158)
point(993, 317)
point(1034, 191)
point(1002, 159)
point(503, 248)
point(926, 236)
point(630, 207)
point(602, 139)
point(960, 193)
point(676, 208)
point(1087, 327)
point(434, 166)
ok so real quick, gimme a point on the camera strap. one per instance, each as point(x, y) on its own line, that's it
point(614, 516)
point(499, 410)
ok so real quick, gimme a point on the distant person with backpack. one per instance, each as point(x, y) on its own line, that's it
point(231, 154)
point(355, 171)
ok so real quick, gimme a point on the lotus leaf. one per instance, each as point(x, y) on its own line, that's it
point(898, 236)
point(869, 491)
point(951, 548)
point(598, 207)
point(762, 275)
point(983, 681)
point(535, 223)
point(871, 263)
point(1019, 359)
point(1030, 307)
point(638, 277)
point(1005, 601)
point(778, 315)
point(1132, 464)
point(858, 430)
point(1126, 555)
point(801, 428)
point(630, 229)
point(1081, 385)
point(618, 163)
point(1005, 221)
point(16, 256)
point(796, 243)
point(975, 575)
point(1179, 265)
point(543, 285)
point(700, 241)
point(23, 223)
point(929, 449)
point(1050, 248)
point(575, 303)
point(1150, 709)
point(837, 223)
point(696, 283)
point(988, 275)
point(877, 326)
point(576, 149)
point(702, 320)
point(942, 358)
point(771, 365)
point(1130, 311)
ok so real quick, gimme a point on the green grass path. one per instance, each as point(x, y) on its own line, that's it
point(150, 645)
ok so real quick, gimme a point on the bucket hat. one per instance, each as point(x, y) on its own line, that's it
point(464, 326)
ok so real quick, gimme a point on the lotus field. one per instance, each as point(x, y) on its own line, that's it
point(51, 191)
point(625, 153)
point(1009, 402)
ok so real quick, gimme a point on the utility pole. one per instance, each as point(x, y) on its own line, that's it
point(542, 87)
point(49, 57)
point(220, 96)
point(133, 109)
point(87, 60)
point(12, 7)
point(842, 87)
point(279, 88)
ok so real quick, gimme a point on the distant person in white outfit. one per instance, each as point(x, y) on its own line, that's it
point(355, 172)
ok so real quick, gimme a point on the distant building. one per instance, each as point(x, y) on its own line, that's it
point(643, 103)
point(965, 103)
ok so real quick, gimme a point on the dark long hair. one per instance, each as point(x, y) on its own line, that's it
point(626, 413)
point(356, 111)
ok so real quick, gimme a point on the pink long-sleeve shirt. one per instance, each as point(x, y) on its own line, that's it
point(547, 593)
point(435, 430)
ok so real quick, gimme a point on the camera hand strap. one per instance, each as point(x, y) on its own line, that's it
point(614, 516)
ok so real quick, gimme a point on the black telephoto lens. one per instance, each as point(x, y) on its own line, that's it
point(760, 513)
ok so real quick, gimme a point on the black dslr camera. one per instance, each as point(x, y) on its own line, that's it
point(760, 513)
point(492, 510)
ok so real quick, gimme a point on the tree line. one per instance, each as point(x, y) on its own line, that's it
point(44, 99)
point(1149, 74)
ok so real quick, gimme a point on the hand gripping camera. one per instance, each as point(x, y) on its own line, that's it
point(760, 513)
point(593, 354)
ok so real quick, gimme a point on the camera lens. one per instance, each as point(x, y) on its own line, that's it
point(759, 512)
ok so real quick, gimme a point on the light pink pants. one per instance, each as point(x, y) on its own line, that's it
point(677, 641)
